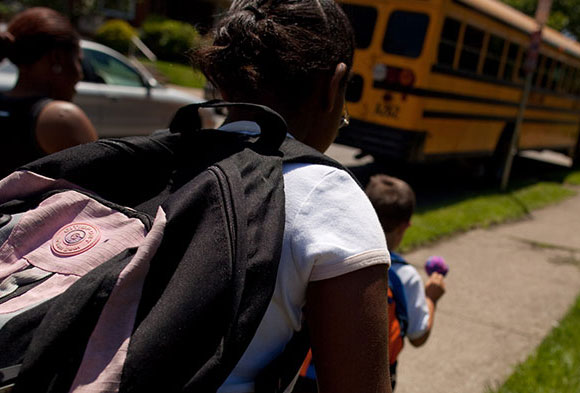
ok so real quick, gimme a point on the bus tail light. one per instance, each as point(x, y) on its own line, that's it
point(385, 76)
point(406, 77)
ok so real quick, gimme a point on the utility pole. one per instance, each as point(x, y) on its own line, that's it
point(530, 63)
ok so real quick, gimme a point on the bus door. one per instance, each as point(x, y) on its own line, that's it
point(389, 63)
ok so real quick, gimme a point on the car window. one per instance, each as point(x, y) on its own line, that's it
point(98, 67)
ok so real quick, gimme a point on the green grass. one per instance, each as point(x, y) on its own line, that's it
point(555, 365)
point(482, 210)
point(573, 178)
point(178, 74)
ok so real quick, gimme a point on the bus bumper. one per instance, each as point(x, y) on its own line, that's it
point(384, 142)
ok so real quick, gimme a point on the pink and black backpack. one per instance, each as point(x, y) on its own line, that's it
point(142, 264)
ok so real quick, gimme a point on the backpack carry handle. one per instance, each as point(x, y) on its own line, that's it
point(273, 126)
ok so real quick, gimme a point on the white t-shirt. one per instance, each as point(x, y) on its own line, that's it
point(417, 310)
point(330, 229)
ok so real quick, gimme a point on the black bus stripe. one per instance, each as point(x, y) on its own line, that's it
point(420, 92)
point(475, 116)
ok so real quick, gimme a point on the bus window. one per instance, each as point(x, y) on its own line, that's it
point(472, 42)
point(363, 20)
point(354, 88)
point(538, 70)
point(545, 73)
point(522, 71)
point(556, 76)
point(568, 83)
point(405, 33)
point(576, 84)
point(448, 42)
point(559, 84)
point(565, 86)
point(493, 56)
point(510, 61)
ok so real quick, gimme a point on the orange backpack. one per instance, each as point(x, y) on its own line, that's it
point(396, 333)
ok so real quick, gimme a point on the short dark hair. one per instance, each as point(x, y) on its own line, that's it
point(279, 45)
point(393, 200)
point(34, 32)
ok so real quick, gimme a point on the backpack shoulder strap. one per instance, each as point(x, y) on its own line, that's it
point(400, 299)
point(397, 258)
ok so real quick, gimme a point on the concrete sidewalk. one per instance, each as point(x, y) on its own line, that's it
point(506, 288)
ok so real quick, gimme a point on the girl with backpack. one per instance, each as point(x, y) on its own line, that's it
point(295, 56)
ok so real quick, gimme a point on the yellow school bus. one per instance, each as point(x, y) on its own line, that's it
point(435, 79)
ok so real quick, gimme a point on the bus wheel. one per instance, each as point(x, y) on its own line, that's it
point(498, 159)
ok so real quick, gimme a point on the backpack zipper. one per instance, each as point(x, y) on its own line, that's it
point(228, 206)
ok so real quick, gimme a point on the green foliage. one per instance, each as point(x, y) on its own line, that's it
point(73, 9)
point(564, 16)
point(170, 40)
point(117, 34)
point(7, 11)
point(178, 74)
point(555, 365)
point(482, 210)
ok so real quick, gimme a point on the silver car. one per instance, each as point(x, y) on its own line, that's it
point(119, 96)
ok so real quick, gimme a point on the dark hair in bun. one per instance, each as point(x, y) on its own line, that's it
point(279, 45)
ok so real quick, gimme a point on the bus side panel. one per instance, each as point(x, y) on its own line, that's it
point(539, 135)
point(449, 137)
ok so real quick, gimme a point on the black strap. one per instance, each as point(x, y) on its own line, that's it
point(274, 127)
point(278, 375)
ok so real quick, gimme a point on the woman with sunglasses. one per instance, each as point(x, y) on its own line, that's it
point(295, 56)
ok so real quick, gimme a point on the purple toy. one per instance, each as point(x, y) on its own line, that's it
point(436, 264)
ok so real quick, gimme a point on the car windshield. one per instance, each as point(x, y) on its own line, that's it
point(100, 67)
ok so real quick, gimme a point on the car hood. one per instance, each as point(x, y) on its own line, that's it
point(180, 95)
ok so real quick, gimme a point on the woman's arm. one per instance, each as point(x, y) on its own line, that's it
point(61, 125)
point(347, 318)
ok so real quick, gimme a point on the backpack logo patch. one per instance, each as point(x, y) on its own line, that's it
point(74, 239)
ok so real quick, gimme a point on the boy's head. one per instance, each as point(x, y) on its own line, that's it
point(394, 202)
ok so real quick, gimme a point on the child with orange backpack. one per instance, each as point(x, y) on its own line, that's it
point(412, 306)
point(394, 202)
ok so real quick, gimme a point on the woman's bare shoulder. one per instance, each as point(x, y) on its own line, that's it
point(62, 124)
